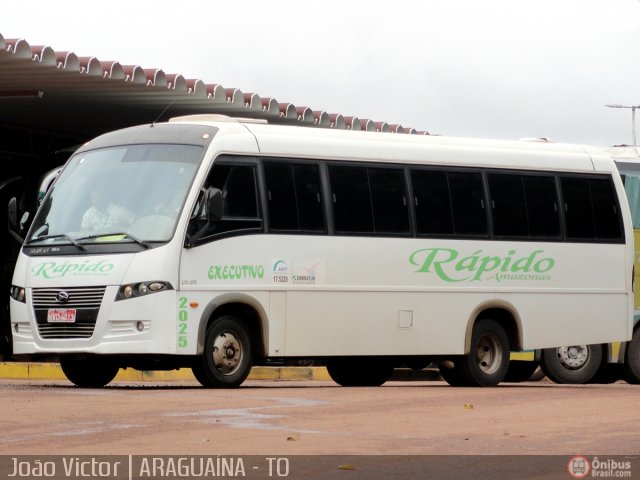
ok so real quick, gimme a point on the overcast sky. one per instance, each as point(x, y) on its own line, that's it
point(486, 68)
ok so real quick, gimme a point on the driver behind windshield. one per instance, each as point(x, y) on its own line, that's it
point(104, 214)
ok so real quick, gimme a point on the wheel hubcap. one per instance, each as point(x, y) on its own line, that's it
point(573, 357)
point(489, 354)
point(227, 353)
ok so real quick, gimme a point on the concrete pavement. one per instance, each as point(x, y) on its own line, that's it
point(52, 371)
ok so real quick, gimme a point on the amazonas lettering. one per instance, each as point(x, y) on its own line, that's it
point(450, 266)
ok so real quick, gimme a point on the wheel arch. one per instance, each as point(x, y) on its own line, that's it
point(502, 312)
point(247, 308)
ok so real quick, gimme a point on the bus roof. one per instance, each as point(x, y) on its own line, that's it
point(308, 142)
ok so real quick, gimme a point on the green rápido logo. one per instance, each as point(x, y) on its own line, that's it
point(58, 270)
point(235, 272)
point(450, 266)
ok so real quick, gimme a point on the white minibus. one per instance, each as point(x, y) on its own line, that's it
point(218, 244)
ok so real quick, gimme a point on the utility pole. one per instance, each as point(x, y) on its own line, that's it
point(633, 118)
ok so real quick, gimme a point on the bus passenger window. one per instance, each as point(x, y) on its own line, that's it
point(351, 199)
point(389, 199)
point(578, 208)
point(294, 197)
point(605, 210)
point(542, 206)
point(508, 205)
point(369, 200)
point(281, 196)
point(467, 202)
point(432, 202)
point(309, 198)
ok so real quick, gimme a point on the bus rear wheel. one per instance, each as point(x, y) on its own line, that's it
point(360, 373)
point(575, 364)
point(227, 357)
point(632, 359)
point(488, 359)
point(88, 372)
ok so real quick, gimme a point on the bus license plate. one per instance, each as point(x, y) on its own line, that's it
point(59, 315)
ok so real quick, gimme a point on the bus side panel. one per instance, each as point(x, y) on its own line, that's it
point(377, 323)
point(575, 319)
point(339, 295)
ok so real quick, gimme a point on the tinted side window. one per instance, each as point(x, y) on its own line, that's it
point(542, 206)
point(309, 198)
point(281, 196)
point(508, 205)
point(467, 203)
point(591, 209)
point(294, 197)
point(240, 208)
point(238, 185)
point(608, 224)
point(577, 207)
point(389, 200)
point(352, 208)
point(432, 202)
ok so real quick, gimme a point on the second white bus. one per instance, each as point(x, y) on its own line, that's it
point(218, 244)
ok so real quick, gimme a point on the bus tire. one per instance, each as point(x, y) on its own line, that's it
point(608, 373)
point(575, 364)
point(537, 375)
point(88, 372)
point(632, 359)
point(359, 374)
point(488, 358)
point(198, 371)
point(227, 357)
point(521, 371)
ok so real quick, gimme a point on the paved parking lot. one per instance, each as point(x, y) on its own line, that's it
point(299, 418)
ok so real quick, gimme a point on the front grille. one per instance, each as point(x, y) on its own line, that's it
point(85, 300)
point(79, 297)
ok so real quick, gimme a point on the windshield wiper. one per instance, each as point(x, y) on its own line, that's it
point(115, 234)
point(60, 235)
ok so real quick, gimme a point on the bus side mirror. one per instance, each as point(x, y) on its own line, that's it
point(213, 201)
point(12, 214)
point(214, 205)
point(12, 220)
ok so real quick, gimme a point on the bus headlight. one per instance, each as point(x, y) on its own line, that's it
point(18, 293)
point(134, 290)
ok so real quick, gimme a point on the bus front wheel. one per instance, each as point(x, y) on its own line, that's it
point(575, 364)
point(88, 372)
point(227, 357)
point(632, 359)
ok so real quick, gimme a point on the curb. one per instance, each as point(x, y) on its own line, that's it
point(52, 371)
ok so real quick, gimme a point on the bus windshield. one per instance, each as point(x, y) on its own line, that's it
point(124, 193)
